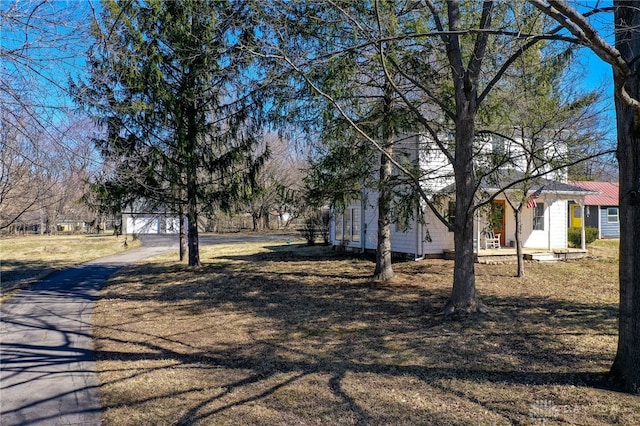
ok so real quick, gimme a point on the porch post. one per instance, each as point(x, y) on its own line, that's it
point(582, 237)
point(547, 204)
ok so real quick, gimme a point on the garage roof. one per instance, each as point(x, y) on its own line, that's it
point(608, 192)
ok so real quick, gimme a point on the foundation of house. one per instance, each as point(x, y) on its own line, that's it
point(505, 255)
point(509, 255)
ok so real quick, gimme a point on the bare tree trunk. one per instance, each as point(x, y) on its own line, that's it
point(183, 236)
point(384, 268)
point(626, 366)
point(191, 170)
point(192, 221)
point(43, 215)
point(464, 297)
point(192, 236)
point(266, 220)
point(517, 213)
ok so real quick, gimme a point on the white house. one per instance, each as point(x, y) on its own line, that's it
point(544, 224)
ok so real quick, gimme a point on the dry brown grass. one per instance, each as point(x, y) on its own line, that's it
point(293, 335)
point(25, 259)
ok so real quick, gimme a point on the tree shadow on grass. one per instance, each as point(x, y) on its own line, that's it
point(294, 329)
point(14, 272)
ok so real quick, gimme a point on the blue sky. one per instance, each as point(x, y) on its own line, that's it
point(597, 73)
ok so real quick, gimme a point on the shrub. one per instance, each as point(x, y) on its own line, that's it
point(309, 231)
point(575, 239)
point(316, 224)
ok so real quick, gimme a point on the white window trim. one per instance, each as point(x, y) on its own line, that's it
point(533, 217)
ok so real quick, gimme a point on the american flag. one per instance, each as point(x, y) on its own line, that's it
point(531, 202)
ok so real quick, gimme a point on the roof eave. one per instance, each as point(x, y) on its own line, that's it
point(583, 193)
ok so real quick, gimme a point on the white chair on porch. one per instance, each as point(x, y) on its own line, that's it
point(491, 240)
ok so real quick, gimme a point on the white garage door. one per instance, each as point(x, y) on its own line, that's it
point(143, 225)
point(172, 225)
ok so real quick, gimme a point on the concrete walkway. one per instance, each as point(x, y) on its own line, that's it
point(47, 372)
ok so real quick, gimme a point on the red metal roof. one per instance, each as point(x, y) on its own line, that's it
point(608, 192)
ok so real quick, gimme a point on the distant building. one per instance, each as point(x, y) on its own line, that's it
point(601, 210)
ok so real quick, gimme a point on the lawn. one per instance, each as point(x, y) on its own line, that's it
point(25, 259)
point(284, 335)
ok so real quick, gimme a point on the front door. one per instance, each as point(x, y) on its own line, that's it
point(576, 216)
point(498, 219)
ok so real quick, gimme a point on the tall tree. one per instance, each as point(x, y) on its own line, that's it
point(180, 128)
point(623, 57)
point(443, 60)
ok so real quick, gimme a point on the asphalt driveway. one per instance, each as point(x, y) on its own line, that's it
point(47, 372)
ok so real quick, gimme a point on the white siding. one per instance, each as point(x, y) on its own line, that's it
point(510, 224)
point(558, 234)
point(172, 225)
point(554, 234)
point(535, 238)
point(436, 170)
point(150, 224)
point(371, 220)
point(441, 238)
point(403, 242)
point(411, 242)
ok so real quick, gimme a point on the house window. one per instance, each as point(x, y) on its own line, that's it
point(347, 225)
point(612, 215)
point(339, 227)
point(355, 224)
point(451, 214)
point(538, 217)
point(394, 220)
point(498, 151)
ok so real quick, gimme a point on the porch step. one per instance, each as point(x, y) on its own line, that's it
point(541, 257)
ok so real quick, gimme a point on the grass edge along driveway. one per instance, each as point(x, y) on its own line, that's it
point(27, 259)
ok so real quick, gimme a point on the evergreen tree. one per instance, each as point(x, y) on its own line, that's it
point(171, 88)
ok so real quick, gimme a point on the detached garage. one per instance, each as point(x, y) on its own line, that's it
point(150, 224)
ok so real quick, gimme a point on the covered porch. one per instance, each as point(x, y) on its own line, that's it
point(544, 219)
